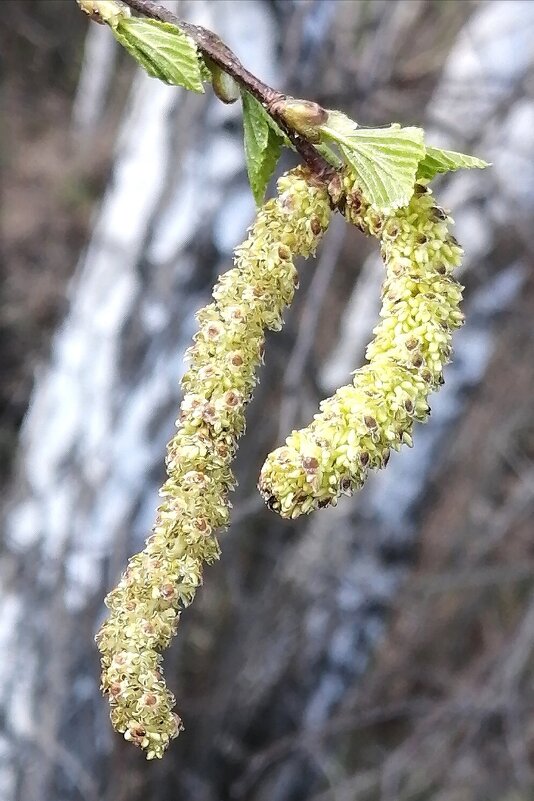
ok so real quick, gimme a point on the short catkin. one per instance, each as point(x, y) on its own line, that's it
point(357, 427)
point(163, 578)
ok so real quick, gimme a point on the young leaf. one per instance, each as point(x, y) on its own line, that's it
point(338, 125)
point(257, 112)
point(163, 50)
point(437, 160)
point(385, 159)
point(255, 120)
point(262, 145)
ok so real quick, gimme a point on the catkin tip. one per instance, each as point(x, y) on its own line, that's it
point(358, 427)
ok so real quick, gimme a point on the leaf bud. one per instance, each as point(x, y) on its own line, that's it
point(224, 86)
point(304, 116)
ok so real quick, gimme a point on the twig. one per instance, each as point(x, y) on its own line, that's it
point(211, 46)
point(309, 737)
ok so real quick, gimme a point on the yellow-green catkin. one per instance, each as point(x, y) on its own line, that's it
point(357, 427)
point(163, 578)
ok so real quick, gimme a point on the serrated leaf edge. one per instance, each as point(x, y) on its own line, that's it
point(146, 51)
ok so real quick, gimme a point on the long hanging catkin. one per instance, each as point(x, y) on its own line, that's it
point(357, 427)
point(144, 608)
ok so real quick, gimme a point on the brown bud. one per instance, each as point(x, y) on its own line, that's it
point(315, 225)
point(304, 116)
point(310, 463)
point(138, 732)
point(149, 699)
point(236, 359)
point(213, 331)
point(231, 398)
point(284, 252)
point(376, 223)
point(209, 414)
point(222, 449)
point(355, 201)
point(335, 190)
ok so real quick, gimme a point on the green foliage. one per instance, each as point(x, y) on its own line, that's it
point(387, 162)
point(439, 161)
point(384, 159)
point(163, 50)
point(263, 145)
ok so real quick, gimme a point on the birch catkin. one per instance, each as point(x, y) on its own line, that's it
point(357, 427)
point(163, 578)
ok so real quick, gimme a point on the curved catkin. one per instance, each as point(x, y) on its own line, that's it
point(163, 578)
point(357, 427)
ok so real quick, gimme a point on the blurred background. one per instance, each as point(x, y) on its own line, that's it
point(379, 651)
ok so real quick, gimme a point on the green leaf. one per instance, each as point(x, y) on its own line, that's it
point(384, 159)
point(257, 112)
point(263, 145)
point(163, 50)
point(437, 160)
point(255, 120)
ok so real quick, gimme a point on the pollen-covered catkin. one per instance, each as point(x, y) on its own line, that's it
point(163, 578)
point(357, 427)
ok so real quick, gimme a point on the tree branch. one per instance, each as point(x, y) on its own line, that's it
point(211, 46)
